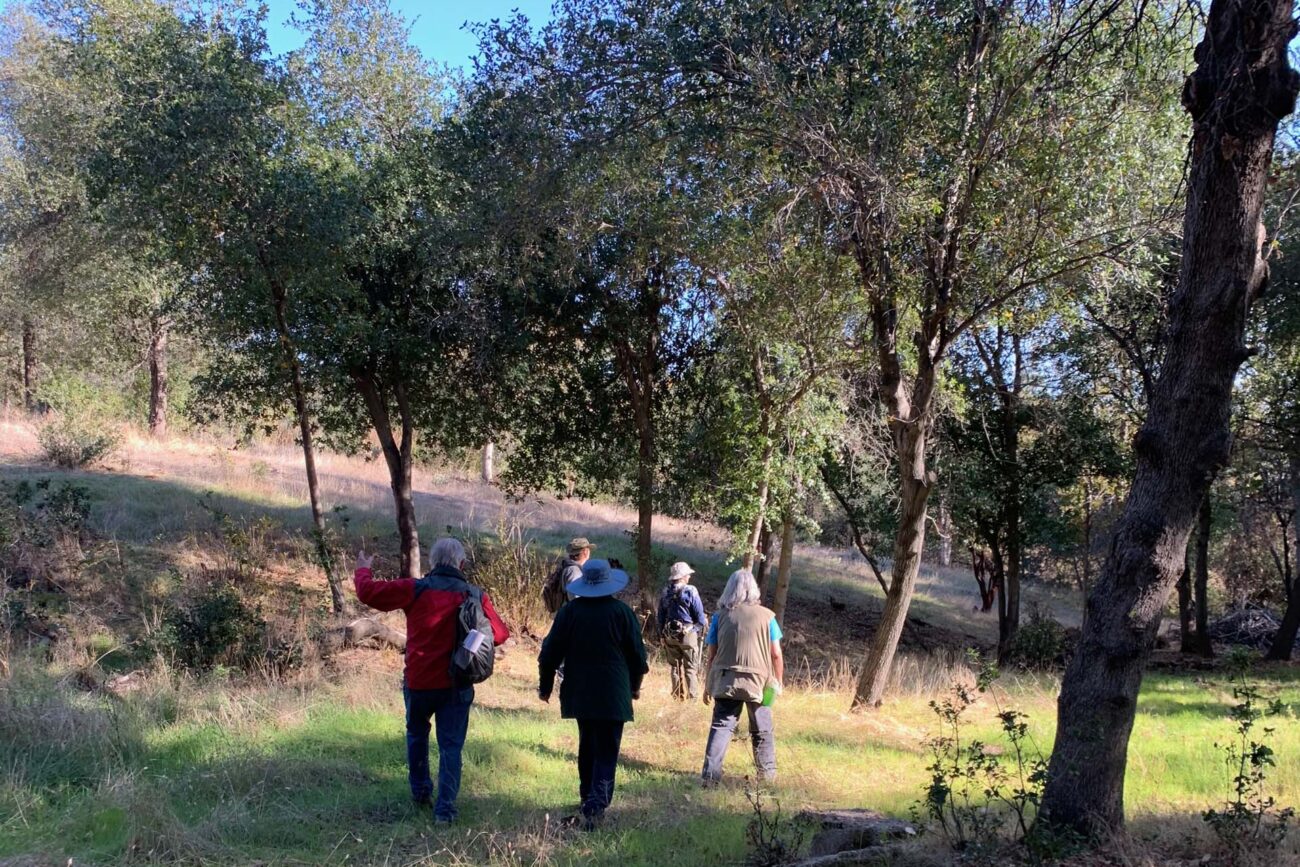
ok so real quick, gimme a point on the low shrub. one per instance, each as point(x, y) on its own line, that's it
point(1041, 644)
point(976, 789)
point(511, 567)
point(1249, 822)
point(71, 442)
point(213, 626)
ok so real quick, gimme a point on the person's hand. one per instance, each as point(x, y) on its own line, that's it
point(364, 560)
point(544, 696)
point(636, 695)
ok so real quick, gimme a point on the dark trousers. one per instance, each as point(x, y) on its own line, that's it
point(449, 708)
point(598, 744)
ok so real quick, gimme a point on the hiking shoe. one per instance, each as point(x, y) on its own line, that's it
point(420, 801)
point(593, 823)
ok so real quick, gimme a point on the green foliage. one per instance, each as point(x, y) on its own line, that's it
point(1250, 820)
point(1041, 644)
point(71, 442)
point(975, 788)
point(773, 839)
point(211, 626)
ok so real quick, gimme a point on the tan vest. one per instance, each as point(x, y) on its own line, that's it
point(744, 659)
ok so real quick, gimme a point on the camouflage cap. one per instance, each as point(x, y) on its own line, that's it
point(578, 544)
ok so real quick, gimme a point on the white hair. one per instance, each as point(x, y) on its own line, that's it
point(741, 589)
point(447, 552)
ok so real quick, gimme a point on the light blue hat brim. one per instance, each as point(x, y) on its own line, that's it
point(612, 581)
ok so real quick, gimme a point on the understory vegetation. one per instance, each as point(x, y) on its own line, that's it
point(194, 709)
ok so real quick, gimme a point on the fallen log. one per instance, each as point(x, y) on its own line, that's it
point(840, 831)
point(367, 628)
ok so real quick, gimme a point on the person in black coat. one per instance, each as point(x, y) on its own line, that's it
point(597, 639)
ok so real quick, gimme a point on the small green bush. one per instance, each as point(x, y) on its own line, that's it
point(1040, 644)
point(214, 626)
point(73, 442)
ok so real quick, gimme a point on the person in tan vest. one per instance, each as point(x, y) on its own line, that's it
point(744, 644)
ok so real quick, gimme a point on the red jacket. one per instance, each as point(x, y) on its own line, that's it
point(430, 623)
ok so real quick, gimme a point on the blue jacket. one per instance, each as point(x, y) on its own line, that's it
point(682, 602)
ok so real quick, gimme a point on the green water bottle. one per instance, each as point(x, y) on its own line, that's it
point(769, 693)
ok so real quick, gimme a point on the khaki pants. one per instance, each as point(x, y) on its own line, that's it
point(684, 664)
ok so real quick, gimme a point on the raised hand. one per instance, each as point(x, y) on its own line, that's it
point(364, 560)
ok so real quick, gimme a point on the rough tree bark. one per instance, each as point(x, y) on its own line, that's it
point(159, 332)
point(29, 364)
point(782, 592)
point(399, 458)
point(1284, 641)
point(1185, 641)
point(488, 469)
point(1241, 88)
point(279, 299)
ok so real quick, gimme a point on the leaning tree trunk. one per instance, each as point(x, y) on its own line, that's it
point(1201, 643)
point(301, 410)
point(29, 364)
point(158, 338)
point(399, 458)
point(782, 592)
point(908, 543)
point(1242, 86)
point(1284, 641)
point(488, 469)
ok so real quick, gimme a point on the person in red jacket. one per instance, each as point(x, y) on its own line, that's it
point(431, 604)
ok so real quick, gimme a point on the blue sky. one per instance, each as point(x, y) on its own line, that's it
point(437, 24)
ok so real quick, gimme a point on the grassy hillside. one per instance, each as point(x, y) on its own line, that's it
point(306, 766)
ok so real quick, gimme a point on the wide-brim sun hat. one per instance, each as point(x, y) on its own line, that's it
point(598, 579)
point(680, 572)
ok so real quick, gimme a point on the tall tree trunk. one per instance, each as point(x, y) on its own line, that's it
point(1185, 641)
point(398, 456)
point(1201, 643)
point(1009, 589)
point(488, 468)
point(30, 371)
point(638, 367)
point(782, 592)
point(301, 410)
point(159, 332)
point(945, 530)
point(1284, 641)
point(645, 515)
point(908, 544)
point(765, 540)
point(1241, 88)
point(754, 540)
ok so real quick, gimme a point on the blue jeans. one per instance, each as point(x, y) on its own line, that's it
point(449, 709)
point(726, 715)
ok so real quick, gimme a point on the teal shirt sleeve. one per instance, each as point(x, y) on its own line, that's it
point(774, 631)
point(712, 638)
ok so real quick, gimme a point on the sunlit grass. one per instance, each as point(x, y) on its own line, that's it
point(233, 774)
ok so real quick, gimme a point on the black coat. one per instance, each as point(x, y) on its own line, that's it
point(598, 640)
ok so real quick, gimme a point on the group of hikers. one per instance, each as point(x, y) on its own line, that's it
point(595, 650)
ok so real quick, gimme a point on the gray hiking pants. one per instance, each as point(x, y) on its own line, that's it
point(726, 714)
point(684, 666)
